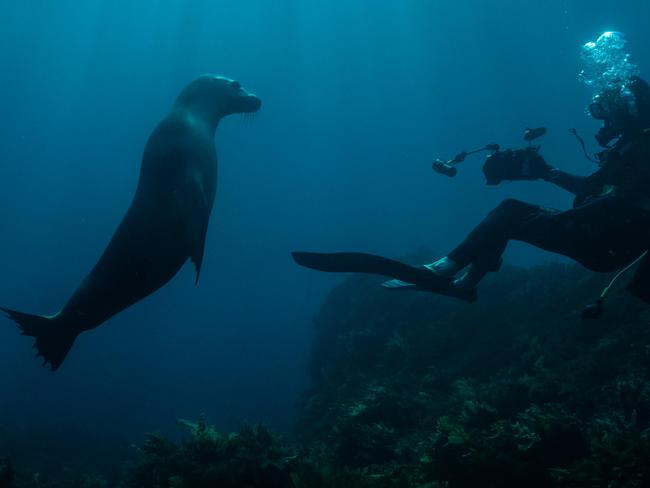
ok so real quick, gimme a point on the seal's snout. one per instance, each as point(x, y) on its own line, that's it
point(220, 96)
point(252, 103)
point(246, 102)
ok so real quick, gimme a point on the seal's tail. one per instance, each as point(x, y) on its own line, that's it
point(52, 342)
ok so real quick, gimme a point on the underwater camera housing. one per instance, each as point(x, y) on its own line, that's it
point(510, 164)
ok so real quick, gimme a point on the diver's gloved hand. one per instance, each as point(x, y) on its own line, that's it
point(515, 164)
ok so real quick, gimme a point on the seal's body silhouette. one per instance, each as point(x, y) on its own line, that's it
point(165, 224)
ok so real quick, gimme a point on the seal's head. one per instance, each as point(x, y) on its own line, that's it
point(217, 96)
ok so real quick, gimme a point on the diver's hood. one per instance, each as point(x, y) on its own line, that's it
point(620, 97)
point(624, 110)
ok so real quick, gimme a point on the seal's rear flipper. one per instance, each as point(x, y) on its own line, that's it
point(52, 343)
point(354, 262)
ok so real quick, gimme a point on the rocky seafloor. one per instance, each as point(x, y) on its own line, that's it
point(413, 389)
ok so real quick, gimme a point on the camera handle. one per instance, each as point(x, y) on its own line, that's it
point(448, 168)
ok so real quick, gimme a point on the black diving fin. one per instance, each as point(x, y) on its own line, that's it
point(354, 262)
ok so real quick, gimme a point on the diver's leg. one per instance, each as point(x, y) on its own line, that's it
point(603, 235)
point(482, 248)
point(485, 244)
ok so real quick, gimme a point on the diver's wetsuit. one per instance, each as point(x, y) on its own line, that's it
point(607, 228)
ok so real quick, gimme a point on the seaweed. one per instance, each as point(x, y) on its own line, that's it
point(414, 389)
point(7, 474)
point(252, 457)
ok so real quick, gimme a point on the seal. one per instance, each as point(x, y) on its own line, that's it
point(165, 225)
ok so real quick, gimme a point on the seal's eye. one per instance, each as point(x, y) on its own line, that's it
point(235, 85)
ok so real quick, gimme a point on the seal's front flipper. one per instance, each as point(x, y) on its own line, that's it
point(52, 342)
point(197, 222)
point(199, 229)
point(419, 278)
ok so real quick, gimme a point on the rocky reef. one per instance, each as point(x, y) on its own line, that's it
point(514, 390)
point(413, 389)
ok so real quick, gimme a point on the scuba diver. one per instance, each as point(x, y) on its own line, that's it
point(606, 230)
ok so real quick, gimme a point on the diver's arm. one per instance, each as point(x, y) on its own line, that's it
point(528, 164)
point(571, 183)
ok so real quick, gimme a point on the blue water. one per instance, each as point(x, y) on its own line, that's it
point(359, 97)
